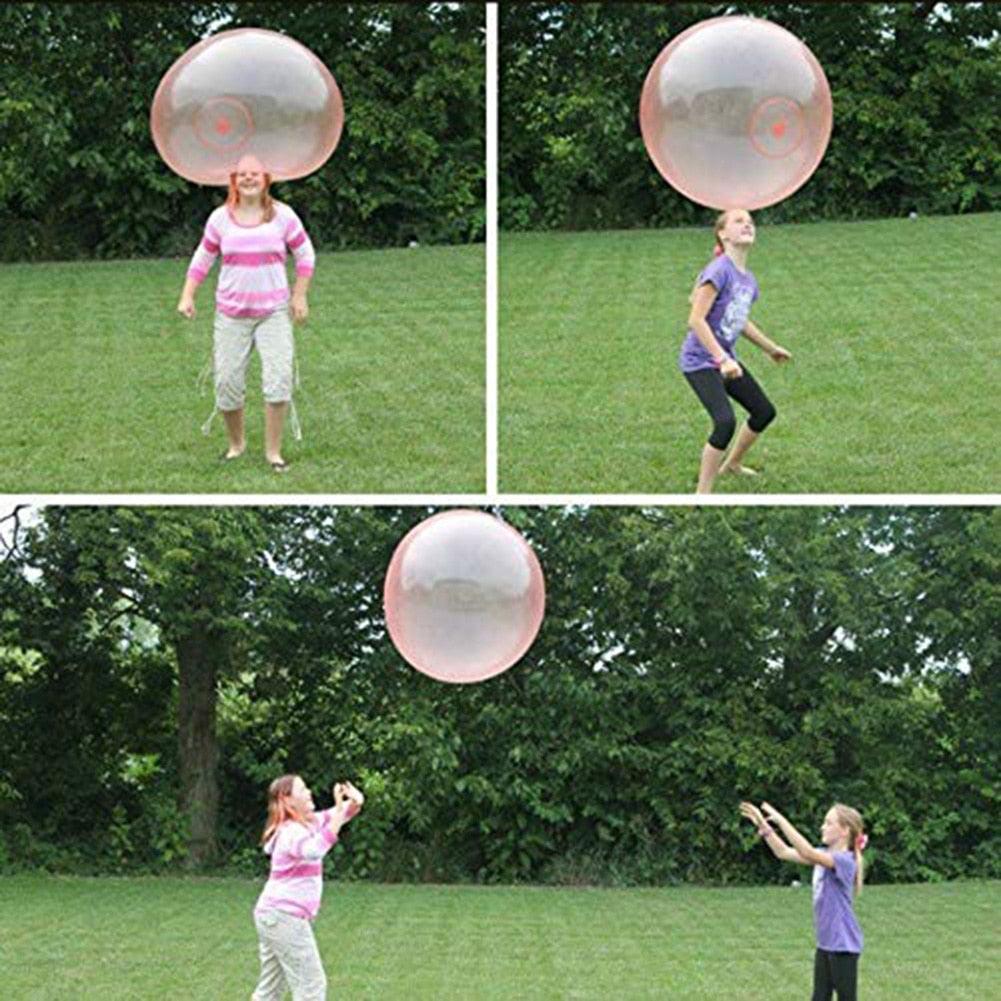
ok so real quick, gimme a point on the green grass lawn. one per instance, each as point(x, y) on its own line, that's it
point(99, 380)
point(172, 939)
point(894, 326)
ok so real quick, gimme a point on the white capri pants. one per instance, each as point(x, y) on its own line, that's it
point(235, 337)
point(289, 958)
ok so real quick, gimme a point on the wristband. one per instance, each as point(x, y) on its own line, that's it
point(763, 832)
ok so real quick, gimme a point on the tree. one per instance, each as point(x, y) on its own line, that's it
point(80, 176)
point(910, 83)
point(189, 572)
point(689, 658)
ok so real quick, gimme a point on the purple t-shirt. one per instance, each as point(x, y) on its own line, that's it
point(833, 892)
point(735, 291)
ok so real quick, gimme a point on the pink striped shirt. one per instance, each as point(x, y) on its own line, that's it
point(295, 884)
point(252, 280)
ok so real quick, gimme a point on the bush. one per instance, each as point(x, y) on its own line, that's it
point(913, 90)
point(80, 177)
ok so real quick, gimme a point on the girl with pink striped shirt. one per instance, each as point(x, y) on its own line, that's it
point(253, 232)
point(296, 837)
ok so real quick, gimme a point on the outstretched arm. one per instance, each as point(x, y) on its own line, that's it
point(779, 848)
point(348, 801)
point(809, 854)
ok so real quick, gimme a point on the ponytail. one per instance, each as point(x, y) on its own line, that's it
point(857, 840)
point(718, 249)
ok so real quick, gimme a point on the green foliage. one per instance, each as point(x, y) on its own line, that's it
point(147, 831)
point(689, 658)
point(80, 177)
point(912, 86)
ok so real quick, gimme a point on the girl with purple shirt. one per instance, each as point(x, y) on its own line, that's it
point(296, 837)
point(721, 304)
point(837, 880)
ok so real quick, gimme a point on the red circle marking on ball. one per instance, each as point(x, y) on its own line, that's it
point(222, 126)
point(792, 115)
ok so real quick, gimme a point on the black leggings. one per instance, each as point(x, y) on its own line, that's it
point(712, 389)
point(835, 971)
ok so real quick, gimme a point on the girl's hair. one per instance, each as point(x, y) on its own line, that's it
point(720, 223)
point(279, 807)
point(267, 202)
point(718, 248)
point(852, 820)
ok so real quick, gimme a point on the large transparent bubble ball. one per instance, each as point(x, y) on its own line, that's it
point(246, 91)
point(464, 596)
point(736, 113)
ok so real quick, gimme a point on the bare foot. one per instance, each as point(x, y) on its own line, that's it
point(739, 470)
point(234, 452)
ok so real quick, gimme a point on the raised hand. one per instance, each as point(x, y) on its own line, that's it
point(771, 813)
point(354, 794)
point(753, 814)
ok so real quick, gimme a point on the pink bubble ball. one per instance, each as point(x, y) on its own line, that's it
point(736, 113)
point(246, 92)
point(464, 596)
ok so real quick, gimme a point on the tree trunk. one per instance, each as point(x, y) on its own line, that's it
point(198, 667)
